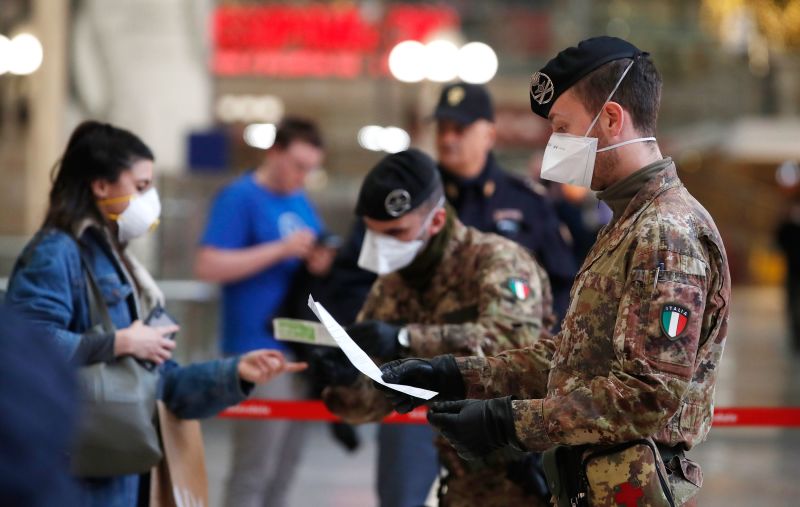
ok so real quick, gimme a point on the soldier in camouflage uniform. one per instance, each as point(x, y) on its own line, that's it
point(463, 293)
point(639, 350)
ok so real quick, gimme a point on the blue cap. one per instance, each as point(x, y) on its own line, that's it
point(464, 103)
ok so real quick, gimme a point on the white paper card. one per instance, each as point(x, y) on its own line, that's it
point(358, 357)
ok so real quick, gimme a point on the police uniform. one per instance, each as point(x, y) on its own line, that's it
point(496, 201)
point(485, 294)
point(639, 350)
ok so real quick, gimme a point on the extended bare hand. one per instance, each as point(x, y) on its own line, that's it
point(261, 366)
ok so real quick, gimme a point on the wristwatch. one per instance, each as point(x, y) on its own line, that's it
point(403, 338)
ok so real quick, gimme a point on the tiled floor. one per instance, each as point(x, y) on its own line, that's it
point(743, 467)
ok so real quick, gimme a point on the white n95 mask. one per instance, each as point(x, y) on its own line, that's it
point(139, 217)
point(570, 159)
point(383, 254)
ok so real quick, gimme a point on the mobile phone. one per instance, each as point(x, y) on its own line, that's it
point(329, 240)
point(160, 317)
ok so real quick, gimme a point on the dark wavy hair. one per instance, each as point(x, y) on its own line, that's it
point(639, 93)
point(95, 151)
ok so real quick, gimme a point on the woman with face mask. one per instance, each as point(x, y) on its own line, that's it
point(103, 197)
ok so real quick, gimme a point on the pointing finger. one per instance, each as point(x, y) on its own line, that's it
point(295, 367)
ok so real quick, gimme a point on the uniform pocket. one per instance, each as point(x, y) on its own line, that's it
point(662, 315)
point(672, 322)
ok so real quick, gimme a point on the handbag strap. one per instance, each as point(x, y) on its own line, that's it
point(98, 310)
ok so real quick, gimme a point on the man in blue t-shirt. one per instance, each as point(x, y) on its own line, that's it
point(260, 230)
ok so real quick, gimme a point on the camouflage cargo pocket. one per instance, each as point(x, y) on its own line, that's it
point(629, 474)
point(664, 319)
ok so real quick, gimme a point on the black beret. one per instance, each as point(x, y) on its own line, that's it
point(398, 184)
point(570, 65)
point(464, 103)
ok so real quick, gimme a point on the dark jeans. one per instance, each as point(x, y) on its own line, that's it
point(407, 464)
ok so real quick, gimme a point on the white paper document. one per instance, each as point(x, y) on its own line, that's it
point(358, 357)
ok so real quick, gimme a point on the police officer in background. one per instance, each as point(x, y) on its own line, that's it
point(486, 196)
point(627, 386)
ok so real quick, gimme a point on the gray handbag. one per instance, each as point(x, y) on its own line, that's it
point(117, 434)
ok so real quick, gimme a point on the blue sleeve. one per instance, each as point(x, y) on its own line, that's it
point(202, 389)
point(43, 288)
point(228, 221)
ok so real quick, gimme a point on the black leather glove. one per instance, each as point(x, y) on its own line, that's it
point(475, 428)
point(438, 374)
point(330, 367)
point(376, 338)
point(528, 474)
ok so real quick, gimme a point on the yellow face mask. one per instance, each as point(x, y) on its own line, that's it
point(115, 200)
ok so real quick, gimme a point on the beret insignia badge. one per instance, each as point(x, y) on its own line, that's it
point(542, 88)
point(397, 202)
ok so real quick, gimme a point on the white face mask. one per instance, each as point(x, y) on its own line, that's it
point(139, 217)
point(383, 254)
point(570, 159)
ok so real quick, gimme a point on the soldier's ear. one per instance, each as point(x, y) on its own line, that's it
point(612, 121)
point(438, 221)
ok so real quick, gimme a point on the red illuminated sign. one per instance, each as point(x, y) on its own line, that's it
point(316, 41)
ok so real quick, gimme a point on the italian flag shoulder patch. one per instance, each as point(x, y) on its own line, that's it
point(674, 320)
point(519, 288)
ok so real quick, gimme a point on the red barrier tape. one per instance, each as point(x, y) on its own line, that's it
point(316, 411)
point(775, 417)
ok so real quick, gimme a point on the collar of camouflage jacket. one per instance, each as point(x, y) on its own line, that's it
point(419, 273)
point(619, 195)
point(611, 235)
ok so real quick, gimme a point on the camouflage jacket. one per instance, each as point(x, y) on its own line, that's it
point(487, 295)
point(471, 307)
point(640, 346)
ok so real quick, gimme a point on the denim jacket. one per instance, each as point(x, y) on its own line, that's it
point(48, 285)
